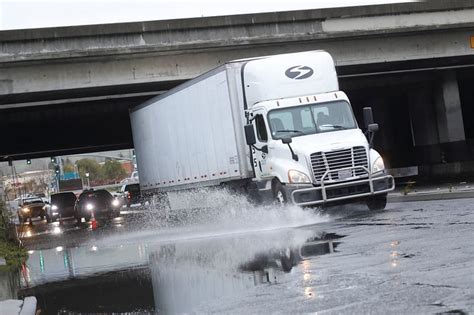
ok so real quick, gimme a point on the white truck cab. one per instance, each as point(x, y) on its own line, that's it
point(305, 142)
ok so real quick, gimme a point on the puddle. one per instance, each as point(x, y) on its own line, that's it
point(165, 277)
point(169, 261)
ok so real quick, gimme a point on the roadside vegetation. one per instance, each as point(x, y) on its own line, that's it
point(111, 170)
point(10, 249)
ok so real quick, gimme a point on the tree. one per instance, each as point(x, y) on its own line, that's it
point(112, 169)
point(88, 166)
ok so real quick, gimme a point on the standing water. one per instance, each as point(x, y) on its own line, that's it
point(208, 245)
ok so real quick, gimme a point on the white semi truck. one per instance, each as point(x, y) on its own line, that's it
point(276, 126)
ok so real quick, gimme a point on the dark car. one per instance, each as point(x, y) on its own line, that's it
point(30, 208)
point(62, 206)
point(130, 194)
point(99, 203)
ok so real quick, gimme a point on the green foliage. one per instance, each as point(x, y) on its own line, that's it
point(113, 170)
point(4, 219)
point(110, 170)
point(89, 166)
point(14, 255)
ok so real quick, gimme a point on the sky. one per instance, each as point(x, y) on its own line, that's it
point(23, 14)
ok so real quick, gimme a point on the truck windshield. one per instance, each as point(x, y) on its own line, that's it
point(309, 119)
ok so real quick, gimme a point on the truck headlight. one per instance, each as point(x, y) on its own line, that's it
point(115, 203)
point(54, 207)
point(25, 210)
point(378, 165)
point(89, 206)
point(297, 177)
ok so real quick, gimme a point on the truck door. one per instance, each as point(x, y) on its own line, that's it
point(260, 157)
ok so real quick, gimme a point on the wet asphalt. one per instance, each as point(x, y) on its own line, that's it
point(414, 257)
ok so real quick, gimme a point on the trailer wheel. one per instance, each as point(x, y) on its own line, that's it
point(377, 202)
point(279, 193)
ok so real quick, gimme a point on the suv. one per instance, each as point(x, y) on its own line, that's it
point(62, 205)
point(130, 194)
point(99, 203)
point(30, 208)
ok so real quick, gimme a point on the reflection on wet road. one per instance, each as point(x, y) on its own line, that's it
point(200, 269)
point(415, 257)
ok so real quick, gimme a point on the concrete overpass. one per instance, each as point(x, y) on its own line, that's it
point(69, 89)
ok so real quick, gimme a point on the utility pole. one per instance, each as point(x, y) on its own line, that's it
point(57, 171)
point(14, 178)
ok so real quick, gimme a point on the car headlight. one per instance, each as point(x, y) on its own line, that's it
point(54, 207)
point(378, 165)
point(115, 203)
point(89, 206)
point(297, 177)
point(25, 210)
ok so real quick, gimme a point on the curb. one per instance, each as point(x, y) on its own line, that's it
point(398, 197)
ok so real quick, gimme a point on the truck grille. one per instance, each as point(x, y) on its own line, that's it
point(334, 160)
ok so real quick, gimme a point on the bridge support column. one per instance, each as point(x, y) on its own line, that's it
point(423, 117)
point(448, 109)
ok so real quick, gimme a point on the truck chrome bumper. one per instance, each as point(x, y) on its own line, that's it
point(373, 185)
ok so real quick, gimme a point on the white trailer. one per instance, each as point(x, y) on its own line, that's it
point(276, 125)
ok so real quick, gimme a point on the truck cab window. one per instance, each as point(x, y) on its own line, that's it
point(261, 129)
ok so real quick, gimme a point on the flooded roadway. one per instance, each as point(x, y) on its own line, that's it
point(413, 258)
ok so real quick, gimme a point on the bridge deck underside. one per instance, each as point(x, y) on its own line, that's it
point(391, 89)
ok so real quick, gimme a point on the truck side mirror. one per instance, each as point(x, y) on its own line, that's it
point(250, 135)
point(373, 128)
point(368, 117)
point(288, 140)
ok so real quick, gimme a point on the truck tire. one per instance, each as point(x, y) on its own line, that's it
point(377, 202)
point(20, 219)
point(279, 194)
point(48, 219)
point(286, 259)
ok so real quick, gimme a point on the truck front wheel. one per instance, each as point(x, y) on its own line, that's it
point(377, 202)
point(279, 194)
